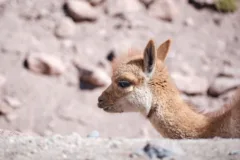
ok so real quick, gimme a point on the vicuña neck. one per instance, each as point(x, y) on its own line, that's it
point(173, 118)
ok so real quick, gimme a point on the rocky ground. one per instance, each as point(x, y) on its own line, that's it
point(54, 60)
point(77, 148)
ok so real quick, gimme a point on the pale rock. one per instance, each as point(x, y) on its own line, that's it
point(189, 22)
point(203, 2)
point(11, 117)
point(12, 101)
point(192, 85)
point(42, 13)
point(5, 109)
point(164, 9)
point(43, 63)
point(114, 7)
point(93, 75)
point(222, 85)
point(65, 28)
point(81, 10)
point(146, 2)
point(95, 2)
point(98, 77)
point(67, 44)
point(230, 72)
point(93, 134)
point(111, 55)
point(2, 80)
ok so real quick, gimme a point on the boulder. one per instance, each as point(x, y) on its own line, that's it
point(80, 10)
point(43, 63)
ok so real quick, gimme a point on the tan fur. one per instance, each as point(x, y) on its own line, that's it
point(155, 95)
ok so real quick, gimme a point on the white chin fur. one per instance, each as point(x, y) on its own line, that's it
point(139, 100)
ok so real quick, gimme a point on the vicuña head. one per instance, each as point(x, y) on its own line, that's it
point(131, 90)
point(141, 83)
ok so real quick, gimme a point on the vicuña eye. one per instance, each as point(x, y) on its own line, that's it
point(124, 84)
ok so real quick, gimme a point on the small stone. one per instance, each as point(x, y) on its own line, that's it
point(204, 2)
point(65, 28)
point(123, 7)
point(10, 134)
point(232, 153)
point(2, 80)
point(146, 2)
point(154, 151)
point(98, 77)
point(190, 84)
point(80, 10)
point(42, 13)
point(12, 101)
point(114, 145)
point(164, 10)
point(11, 117)
point(5, 109)
point(230, 72)
point(101, 64)
point(95, 2)
point(93, 75)
point(217, 21)
point(138, 153)
point(103, 32)
point(42, 63)
point(67, 44)
point(222, 85)
point(64, 156)
point(189, 22)
point(111, 56)
point(93, 134)
point(11, 140)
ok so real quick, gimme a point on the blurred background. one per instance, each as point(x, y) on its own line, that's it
point(55, 58)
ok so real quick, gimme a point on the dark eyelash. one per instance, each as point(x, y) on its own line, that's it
point(124, 84)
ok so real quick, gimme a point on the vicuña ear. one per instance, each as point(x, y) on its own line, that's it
point(163, 50)
point(149, 58)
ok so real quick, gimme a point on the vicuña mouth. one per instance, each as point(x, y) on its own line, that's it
point(105, 109)
point(100, 105)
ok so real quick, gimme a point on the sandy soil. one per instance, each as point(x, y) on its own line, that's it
point(75, 147)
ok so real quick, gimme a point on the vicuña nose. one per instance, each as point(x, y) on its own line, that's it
point(100, 99)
